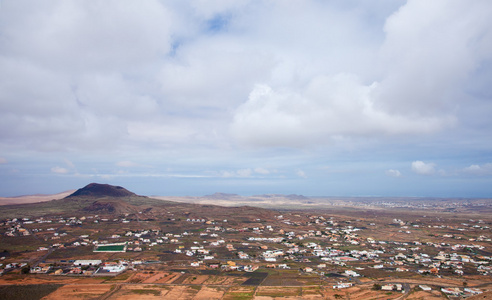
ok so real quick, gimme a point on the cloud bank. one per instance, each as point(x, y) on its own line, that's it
point(244, 90)
point(109, 74)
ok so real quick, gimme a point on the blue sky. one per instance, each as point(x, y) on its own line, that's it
point(328, 98)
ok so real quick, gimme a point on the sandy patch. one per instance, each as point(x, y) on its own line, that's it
point(485, 295)
point(209, 293)
point(79, 291)
point(168, 278)
point(421, 295)
point(443, 282)
point(132, 296)
point(88, 280)
point(33, 198)
point(181, 292)
point(239, 292)
point(129, 292)
point(357, 293)
point(155, 277)
point(195, 279)
point(276, 298)
point(314, 292)
point(139, 277)
point(271, 291)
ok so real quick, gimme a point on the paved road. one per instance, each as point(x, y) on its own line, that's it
point(406, 287)
point(42, 258)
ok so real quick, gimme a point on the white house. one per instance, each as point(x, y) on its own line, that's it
point(87, 262)
point(114, 268)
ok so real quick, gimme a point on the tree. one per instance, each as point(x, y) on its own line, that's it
point(26, 269)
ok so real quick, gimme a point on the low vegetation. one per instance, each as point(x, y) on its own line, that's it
point(27, 292)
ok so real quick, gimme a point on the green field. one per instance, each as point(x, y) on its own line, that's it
point(110, 248)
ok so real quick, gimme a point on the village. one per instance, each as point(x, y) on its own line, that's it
point(336, 252)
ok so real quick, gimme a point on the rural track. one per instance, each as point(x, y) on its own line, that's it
point(110, 293)
point(406, 287)
point(42, 258)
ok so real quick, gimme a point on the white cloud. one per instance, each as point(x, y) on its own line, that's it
point(70, 167)
point(327, 107)
point(59, 170)
point(127, 164)
point(3, 160)
point(414, 89)
point(189, 83)
point(473, 168)
point(237, 173)
point(70, 70)
point(422, 76)
point(247, 172)
point(262, 171)
point(69, 163)
point(156, 75)
point(485, 169)
point(244, 172)
point(87, 35)
point(227, 174)
point(301, 174)
point(393, 173)
point(423, 168)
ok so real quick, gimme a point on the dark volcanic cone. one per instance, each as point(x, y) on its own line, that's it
point(102, 207)
point(98, 190)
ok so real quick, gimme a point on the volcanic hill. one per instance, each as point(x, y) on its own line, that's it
point(109, 200)
point(98, 190)
point(94, 198)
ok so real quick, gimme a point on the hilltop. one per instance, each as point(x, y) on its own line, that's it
point(98, 190)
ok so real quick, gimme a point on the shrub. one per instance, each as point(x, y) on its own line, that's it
point(25, 269)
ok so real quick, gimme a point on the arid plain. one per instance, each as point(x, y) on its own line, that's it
point(105, 242)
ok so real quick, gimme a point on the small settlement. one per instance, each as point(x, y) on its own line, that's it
point(338, 250)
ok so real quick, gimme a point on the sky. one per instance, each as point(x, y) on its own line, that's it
point(319, 98)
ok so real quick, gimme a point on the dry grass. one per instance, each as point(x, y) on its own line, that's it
point(278, 291)
point(79, 291)
point(240, 293)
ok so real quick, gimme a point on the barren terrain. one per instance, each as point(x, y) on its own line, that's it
point(322, 249)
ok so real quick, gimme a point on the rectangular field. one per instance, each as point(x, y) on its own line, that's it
point(110, 248)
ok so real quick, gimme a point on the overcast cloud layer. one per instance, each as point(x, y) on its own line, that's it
point(308, 97)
